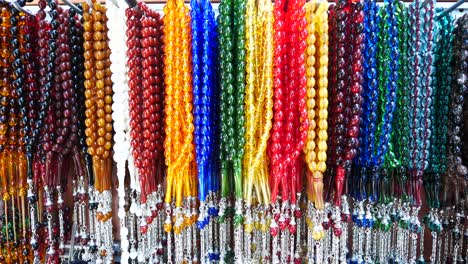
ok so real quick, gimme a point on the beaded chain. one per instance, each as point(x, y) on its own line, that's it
point(49, 168)
point(421, 97)
point(317, 107)
point(98, 122)
point(135, 111)
point(401, 122)
point(117, 27)
point(366, 164)
point(35, 183)
point(249, 108)
point(352, 116)
point(152, 52)
point(336, 89)
point(226, 119)
point(7, 230)
point(289, 131)
point(13, 177)
point(146, 116)
point(205, 91)
point(77, 137)
point(231, 54)
point(421, 102)
point(377, 216)
point(332, 84)
point(428, 75)
point(317, 100)
point(65, 111)
point(19, 83)
point(29, 114)
point(441, 85)
point(456, 180)
point(414, 61)
point(388, 64)
point(352, 111)
point(276, 152)
point(457, 170)
point(135, 93)
point(153, 91)
point(365, 160)
point(258, 122)
point(345, 109)
point(181, 184)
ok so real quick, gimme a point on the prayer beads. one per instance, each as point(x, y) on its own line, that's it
point(98, 93)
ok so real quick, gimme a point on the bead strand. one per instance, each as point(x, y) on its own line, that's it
point(276, 152)
point(249, 107)
point(401, 121)
point(31, 98)
point(428, 96)
point(414, 54)
point(442, 89)
point(135, 93)
point(17, 176)
point(230, 187)
point(458, 171)
point(153, 57)
point(117, 26)
point(179, 148)
point(265, 29)
point(365, 160)
point(338, 115)
point(384, 148)
point(226, 76)
point(309, 150)
point(98, 93)
point(322, 102)
point(332, 90)
point(46, 62)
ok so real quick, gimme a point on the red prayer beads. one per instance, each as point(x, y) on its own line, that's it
point(290, 117)
point(153, 79)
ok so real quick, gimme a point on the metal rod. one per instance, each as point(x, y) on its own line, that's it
point(34, 2)
point(20, 8)
point(131, 3)
point(73, 6)
point(423, 4)
point(450, 9)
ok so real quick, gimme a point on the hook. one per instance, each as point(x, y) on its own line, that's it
point(73, 6)
point(450, 9)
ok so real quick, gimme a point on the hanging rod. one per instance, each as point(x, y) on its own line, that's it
point(217, 1)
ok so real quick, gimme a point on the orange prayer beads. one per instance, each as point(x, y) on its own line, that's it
point(98, 122)
point(179, 148)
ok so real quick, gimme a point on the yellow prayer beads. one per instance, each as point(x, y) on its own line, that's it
point(258, 99)
point(179, 149)
point(317, 99)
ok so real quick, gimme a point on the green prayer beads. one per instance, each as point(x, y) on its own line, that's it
point(232, 80)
